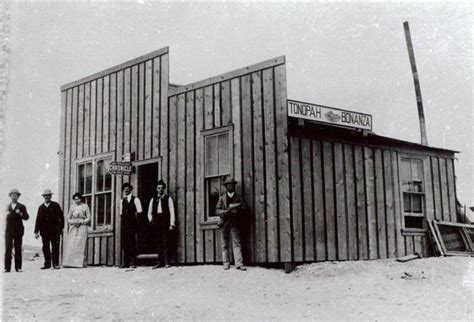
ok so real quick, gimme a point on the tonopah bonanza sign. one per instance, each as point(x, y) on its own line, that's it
point(324, 114)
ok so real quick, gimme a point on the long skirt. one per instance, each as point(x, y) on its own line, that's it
point(75, 247)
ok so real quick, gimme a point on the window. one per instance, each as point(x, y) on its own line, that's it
point(413, 193)
point(95, 184)
point(218, 158)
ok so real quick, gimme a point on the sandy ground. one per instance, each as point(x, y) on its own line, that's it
point(423, 289)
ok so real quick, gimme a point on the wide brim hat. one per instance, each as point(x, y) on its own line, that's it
point(126, 184)
point(229, 181)
point(47, 192)
point(14, 191)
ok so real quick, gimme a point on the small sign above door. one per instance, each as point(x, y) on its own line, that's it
point(324, 114)
point(121, 168)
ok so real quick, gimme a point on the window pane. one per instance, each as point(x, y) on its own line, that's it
point(88, 201)
point(405, 171)
point(108, 180)
point(416, 204)
point(81, 180)
point(99, 209)
point(213, 193)
point(224, 151)
point(211, 155)
point(413, 222)
point(88, 178)
point(406, 202)
point(100, 176)
point(417, 170)
point(108, 208)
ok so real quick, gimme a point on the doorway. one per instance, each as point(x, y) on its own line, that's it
point(147, 175)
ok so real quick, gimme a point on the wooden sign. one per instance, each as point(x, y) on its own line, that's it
point(331, 115)
point(121, 168)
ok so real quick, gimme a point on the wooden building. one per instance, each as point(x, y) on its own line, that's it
point(315, 192)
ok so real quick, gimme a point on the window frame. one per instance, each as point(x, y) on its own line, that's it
point(94, 193)
point(208, 222)
point(410, 230)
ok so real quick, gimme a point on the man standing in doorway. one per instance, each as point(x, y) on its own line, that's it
point(14, 230)
point(49, 224)
point(130, 209)
point(230, 209)
point(162, 217)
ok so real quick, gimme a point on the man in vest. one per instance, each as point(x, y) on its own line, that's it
point(49, 224)
point(162, 217)
point(14, 230)
point(230, 208)
point(130, 209)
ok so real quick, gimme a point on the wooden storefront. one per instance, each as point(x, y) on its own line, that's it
point(314, 192)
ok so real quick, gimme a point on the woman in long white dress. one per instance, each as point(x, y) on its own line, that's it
point(75, 246)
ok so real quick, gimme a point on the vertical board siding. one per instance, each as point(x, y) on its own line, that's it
point(380, 202)
point(451, 190)
point(296, 198)
point(339, 190)
point(329, 201)
point(351, 205)
point(116, 112)
point(318, 200)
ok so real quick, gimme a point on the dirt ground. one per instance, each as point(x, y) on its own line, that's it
point(423, 289)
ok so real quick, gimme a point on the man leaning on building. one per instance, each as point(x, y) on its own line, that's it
point(230, 208)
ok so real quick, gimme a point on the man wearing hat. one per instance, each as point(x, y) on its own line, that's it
point(14, 229)
point(230, 208)
point(130, 209)
point(49, 225)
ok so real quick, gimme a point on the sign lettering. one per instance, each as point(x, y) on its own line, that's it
point(122, 168)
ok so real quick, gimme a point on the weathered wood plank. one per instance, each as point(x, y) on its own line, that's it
point(318, 197)
point(62, 148)
point(87, 118)
point(110, 251)
point(380, 202)
point(444, 189)
point(341, 216)
point(247, 161)
point(409, 245)
point(451, 190)
point(189, 186)
point(67, 156)
point(141, 113)
point(96, 251)
point(296, 200)
point(119, 152)
point(164, 130)
point(362, 229)
point(199, 183)
point(438, 208)
point(271, 192)
point(106, 114)
point(307, 191)
point(90, 251)
point(80, 121)
point(371, 202)
point(351, 206)
point(148, 110)
point(389, 206)
point(99, 114)
point(103, 250)
point(217, 104)
point(428, 188)
point(134, 126)
point(173, 161)
point(181, 177)
point(282, 163)
point(226, 108)
point(259, 168)
point(113, 113)
point(397, 202)
point(157, 107)
point(93, 117)
point(331, 234)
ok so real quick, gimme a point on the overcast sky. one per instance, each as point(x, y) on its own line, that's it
point(351, 56)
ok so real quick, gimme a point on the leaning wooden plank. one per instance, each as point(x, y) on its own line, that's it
point(380, 202)
point(447, 223)
point(199, 183)
point(296, 199)
point(271, 195)
point(435, 239)
point(408, 258)
point(361, 203)
point(189, 185)
point(307, 191)
point(371, 202)
point(352, 219)
point(331, 224)
point(341, 218)
point(318, 196)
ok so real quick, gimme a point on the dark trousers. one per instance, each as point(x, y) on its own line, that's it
point(129, 245)
point(162, 242)
point(11, 242)
point(51, 246)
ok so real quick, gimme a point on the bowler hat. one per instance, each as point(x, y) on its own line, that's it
point(47, 192)
point(229, 180)
point(126, 184)
point(16, 191)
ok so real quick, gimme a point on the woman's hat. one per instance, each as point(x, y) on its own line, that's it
point(47, 192)
point(14, 191)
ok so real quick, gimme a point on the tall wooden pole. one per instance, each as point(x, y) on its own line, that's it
point(419, 101)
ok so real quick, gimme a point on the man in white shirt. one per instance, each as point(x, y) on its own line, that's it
point(130, 209)
point(162, 217)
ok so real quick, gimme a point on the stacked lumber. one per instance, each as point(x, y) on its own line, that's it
point(452, 239)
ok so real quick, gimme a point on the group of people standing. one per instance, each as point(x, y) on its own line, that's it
point(161, 214)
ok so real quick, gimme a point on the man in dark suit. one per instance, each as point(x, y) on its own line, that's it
point(14, 229)
point(49, 224)
point(130, 210)
point(230, 208)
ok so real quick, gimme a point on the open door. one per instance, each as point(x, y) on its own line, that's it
point(147, 175)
